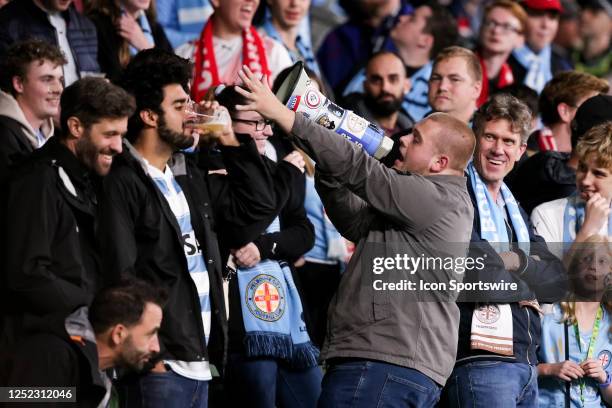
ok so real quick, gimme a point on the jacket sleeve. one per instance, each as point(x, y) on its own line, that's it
point(246, 195)
point(296, 236)
point(350, 214)
point(396, 195)
point(33, 214)
point(118, 208)
point(541, 274)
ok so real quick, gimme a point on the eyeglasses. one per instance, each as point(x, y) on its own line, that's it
point(259, 124)
point(504, 27)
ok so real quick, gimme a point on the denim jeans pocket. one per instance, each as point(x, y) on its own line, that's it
point(485, 364)
point(402, 392)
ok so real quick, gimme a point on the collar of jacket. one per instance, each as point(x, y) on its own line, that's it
point(11, 109)
point(177, 161)
point(41, 13)
point(81, 333)
point(65, 159)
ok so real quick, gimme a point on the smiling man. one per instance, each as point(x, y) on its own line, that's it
point(31, 79)
point(591, 202)
point(455, 83)
point(52, 260)
point(496, 361)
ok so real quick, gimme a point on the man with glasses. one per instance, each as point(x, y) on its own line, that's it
point(158, 220)
point(501, 31)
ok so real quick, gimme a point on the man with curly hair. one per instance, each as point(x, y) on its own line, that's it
point(31, 79)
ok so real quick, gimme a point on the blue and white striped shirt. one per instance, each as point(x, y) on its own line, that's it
point(171, 190)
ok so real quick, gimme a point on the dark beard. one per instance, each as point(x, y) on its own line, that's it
point(177, 140)
point(130, 357)
point(382, 108)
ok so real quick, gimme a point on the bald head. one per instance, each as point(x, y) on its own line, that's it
point(439, 144)
point(453, 138)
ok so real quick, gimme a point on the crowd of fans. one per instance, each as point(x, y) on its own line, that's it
point(147, 262)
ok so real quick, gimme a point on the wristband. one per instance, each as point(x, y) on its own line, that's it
point(608, 381)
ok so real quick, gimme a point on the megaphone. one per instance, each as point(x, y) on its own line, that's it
point(299, 95)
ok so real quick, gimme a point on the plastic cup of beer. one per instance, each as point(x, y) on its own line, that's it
point(206, 120)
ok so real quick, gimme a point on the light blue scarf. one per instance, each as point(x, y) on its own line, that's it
point(573, 217)
point(272, 313)
point(537, 65)
point(143, 22)
point(492, 223)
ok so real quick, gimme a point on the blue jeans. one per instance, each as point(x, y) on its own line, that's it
point(269, 383)
point(373, 384)
point(165, 390)
point(492, 383)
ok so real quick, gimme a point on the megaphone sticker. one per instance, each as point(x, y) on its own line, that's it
point(294, 102)
point(313, 99)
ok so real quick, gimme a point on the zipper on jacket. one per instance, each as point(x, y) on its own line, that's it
point(528, 333)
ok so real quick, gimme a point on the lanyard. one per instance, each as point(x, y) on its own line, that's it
point(591, 348)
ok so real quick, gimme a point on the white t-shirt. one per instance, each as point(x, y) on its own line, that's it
point(228, 54)
point(70, 69)
point(547, 220)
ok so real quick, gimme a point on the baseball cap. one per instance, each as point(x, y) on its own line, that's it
point(592, 112)
point(543, 5)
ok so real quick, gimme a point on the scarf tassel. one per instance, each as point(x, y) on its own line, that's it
point(262, 344)
point(299, 356)
point(305, 355)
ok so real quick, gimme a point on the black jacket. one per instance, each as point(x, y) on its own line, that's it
point(543, 177)
point(49, 357)
point(109, 42)
point(542, 279)
point(52, 262)
point(14, 146)
point(140, 235)
point(295, 238)
point(20, 20)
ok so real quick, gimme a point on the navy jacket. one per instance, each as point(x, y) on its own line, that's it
point(21, 20)
point(542, 279)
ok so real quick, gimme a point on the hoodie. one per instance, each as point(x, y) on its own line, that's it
point(10, 109)
point(61, 351)
point(17, 137)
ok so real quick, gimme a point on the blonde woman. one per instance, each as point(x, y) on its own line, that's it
point(576, 346)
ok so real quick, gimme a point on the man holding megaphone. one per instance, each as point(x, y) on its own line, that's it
point(374, 335)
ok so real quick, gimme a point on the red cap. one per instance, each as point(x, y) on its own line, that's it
point(543, 5)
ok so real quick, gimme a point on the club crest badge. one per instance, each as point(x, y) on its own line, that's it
point(313, 99)
point(265, 298)
point(604, 357)
point(488, 314)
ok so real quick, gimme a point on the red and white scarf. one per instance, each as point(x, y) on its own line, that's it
point(206, 70)
point(505, 78)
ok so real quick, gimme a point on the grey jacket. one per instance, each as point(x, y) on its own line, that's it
point(396, 212)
